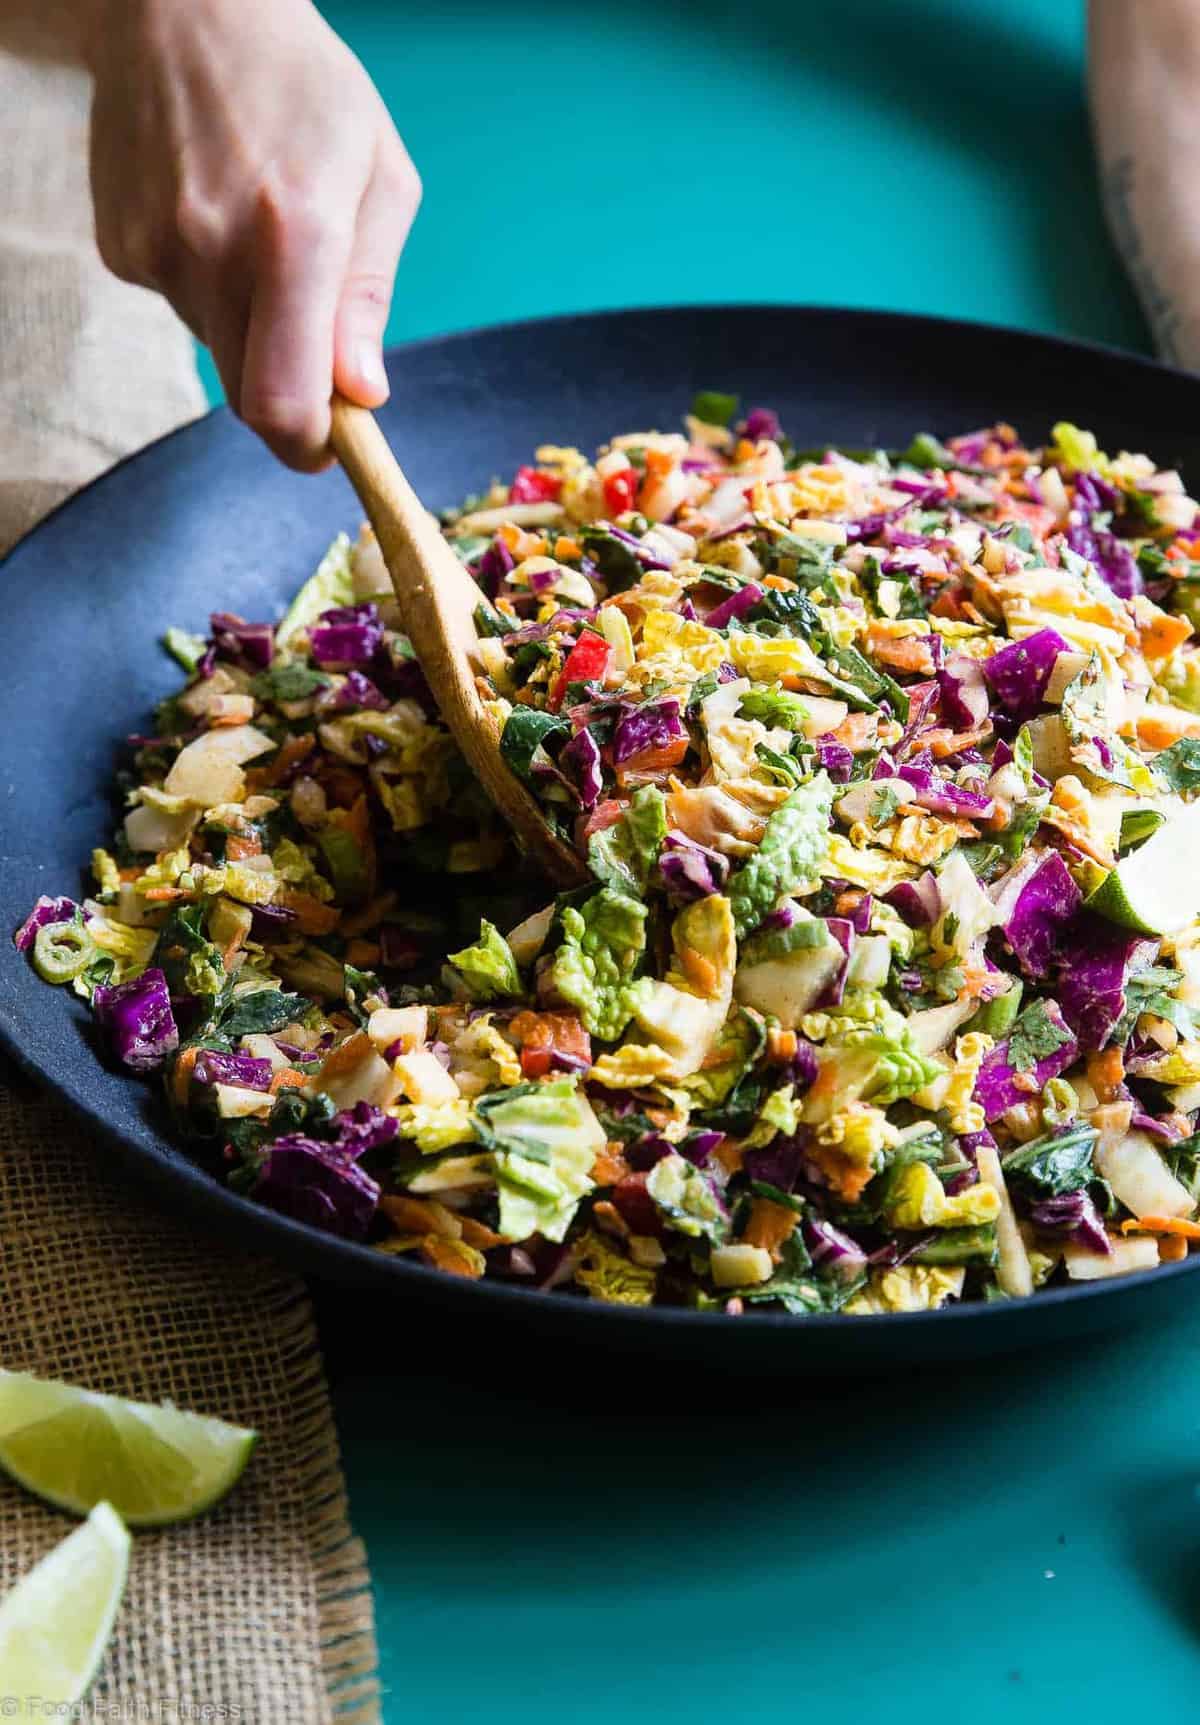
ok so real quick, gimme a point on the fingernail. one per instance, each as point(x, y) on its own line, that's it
point(368, 363)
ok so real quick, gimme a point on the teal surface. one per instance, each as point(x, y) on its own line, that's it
point(1000, 1544)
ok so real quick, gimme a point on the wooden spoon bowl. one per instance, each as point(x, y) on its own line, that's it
point(437, 604)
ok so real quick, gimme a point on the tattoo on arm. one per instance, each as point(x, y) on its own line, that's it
point(1117, 187)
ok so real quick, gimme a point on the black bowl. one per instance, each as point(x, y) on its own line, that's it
point(205, 519)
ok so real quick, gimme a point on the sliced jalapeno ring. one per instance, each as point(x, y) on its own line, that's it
point(62, 950)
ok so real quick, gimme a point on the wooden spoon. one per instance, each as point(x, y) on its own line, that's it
point(437, 603)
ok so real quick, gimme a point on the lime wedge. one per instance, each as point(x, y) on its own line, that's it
point(55, 1623)
point(76, 1449)
point(1157, 889)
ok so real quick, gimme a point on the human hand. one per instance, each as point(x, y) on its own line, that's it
point(244, 165)
point(1144, 73)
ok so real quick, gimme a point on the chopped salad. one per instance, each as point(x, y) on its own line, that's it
point(885, 989)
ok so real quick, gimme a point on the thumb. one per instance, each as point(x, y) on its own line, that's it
point(384, 218)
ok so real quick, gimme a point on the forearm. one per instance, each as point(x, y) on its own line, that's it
point(1144, 77)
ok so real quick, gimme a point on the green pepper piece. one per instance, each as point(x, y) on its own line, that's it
point(61, 950)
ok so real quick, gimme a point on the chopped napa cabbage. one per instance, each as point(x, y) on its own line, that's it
point(603, 942)
point(293, 864)
point(864, 865)
point(686, 1200)
point(624, 855)
point(682, 1014)
point(130, 948)
point(768, 659)
point(488, 968)
point(735, 1048)
point(544, 1139)
point(1093, 705)
point(332, 585)
point(436, 1126)
point(779, 1113)
point(908, 1288)
point(919, 1200)
point(105, 872)
point(1077, 451)
point(609, 1276)
point(775, 706)
point(867, 1054)
point(967, 911)
point(679, 650)
point(164, 872)
point(499, 1050)
point(790, 854)
point(1180, 679)
point(1180, 1066)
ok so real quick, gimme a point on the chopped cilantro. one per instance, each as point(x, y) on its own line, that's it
point(1034, 1037)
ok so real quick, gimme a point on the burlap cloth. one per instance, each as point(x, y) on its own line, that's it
point(262, 1608)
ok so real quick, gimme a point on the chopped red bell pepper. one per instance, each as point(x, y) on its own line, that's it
point(636, 1206)
point(543, 1036)
point(536, 1062)
point(620, 490)
point(530, 486)
point(585, 663)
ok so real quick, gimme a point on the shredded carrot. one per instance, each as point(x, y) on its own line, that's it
point(781, 1044)
point(291, 753)
point(653, 760)
point(520, 543)
point(451, 1256)
point(236, 941)
point(729, 1156)
point(1171, 1248)
point(410, 1215)
point(164, 894)
point(479, 1235)
point(566, 550)
point(1106, 1073)
point(1179, 1225)
point(610, 1166)
point(943, 743)
point(1163, 634)
point(909, 654)
point(701, 972)
point(769, 1225)
point(362, 953)
point(287, 1078)
point(848, 1177)
point(346, 1057)
point(181, 1077)
point(239, 846)
point(312, 917)
point(856, 731)
point(780, 583)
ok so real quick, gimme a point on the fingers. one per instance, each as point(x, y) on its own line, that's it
point(300, 263)
point(385, 216)
point(225, 331)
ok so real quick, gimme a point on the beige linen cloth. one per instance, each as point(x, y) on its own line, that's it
point(261, 1611)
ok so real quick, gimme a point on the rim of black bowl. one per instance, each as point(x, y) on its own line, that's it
point(167, 1164)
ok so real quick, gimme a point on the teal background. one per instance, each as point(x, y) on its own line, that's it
point(1009, 1542)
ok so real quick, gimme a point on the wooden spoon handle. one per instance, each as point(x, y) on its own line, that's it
point(410, 541)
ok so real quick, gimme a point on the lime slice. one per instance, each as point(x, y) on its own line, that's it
point(1157, 889)
point(55, 1623)
point(76, 1449)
